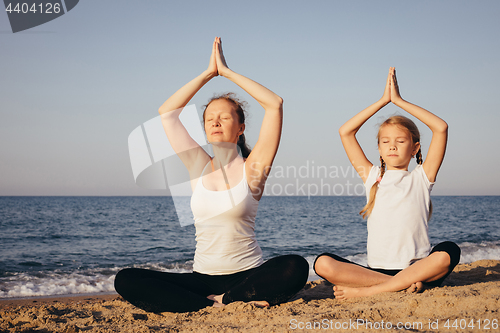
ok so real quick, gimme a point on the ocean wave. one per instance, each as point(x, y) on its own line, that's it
point(90, 281)
point(101, 280)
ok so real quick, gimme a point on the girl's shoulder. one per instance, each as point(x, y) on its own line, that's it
point(419, 173)
point(372, 175)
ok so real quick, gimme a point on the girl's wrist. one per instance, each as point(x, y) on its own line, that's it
point(383, 102)
point(397, 101)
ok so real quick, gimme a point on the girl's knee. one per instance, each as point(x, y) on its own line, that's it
point(442, 259)
point(323, 265)
point(450, 252)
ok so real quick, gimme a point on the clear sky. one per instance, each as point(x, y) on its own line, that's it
point(73, 89)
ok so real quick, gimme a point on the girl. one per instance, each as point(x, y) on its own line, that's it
point(228, 263)
point(399, 207)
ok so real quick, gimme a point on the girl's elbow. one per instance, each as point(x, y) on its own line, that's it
point(443, 127)
point(343, 131)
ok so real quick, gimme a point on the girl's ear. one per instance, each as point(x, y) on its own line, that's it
point(242, 129)
point(415, 150)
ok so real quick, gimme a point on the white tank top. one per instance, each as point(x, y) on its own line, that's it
point(225, 229)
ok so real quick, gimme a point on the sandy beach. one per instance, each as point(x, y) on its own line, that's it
point(469, 300)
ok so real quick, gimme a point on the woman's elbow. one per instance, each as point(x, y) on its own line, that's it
point(278, 103)
point(162, 110)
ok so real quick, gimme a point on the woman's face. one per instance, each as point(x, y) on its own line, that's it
point(221, 122)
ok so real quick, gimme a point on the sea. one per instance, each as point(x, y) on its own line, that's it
point(75, 245)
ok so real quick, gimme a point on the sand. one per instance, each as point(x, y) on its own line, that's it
point(468, 301)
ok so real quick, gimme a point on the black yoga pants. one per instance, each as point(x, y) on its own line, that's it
point(275, 281)
point(449, 247)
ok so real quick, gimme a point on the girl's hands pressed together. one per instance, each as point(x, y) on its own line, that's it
point(386, 98)
point(395, 95)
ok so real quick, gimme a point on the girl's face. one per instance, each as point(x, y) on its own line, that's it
point(396, 147)
point(221, 122)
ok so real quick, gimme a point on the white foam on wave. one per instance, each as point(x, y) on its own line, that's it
point(94, 281)
point(90, 281)
point(473, 251)
point(24, 285)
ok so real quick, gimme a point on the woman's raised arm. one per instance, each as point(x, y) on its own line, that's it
point(264, 151)
point(191, 154)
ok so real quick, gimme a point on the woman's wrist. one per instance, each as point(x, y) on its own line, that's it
point(208, 75)
point(226, 73)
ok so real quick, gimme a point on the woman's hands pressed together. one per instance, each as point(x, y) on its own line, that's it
point(217, 65)
point(212, 65)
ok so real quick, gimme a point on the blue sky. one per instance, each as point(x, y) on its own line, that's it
point(73, 89)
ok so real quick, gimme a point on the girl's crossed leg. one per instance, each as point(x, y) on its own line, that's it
point(352, 280)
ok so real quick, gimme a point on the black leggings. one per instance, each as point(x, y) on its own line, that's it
point(449, 247)
point(275, 281)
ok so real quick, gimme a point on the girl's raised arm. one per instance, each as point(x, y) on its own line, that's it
point(348, 133)
point(191, 154)
point(264, 151)
point(437, 125)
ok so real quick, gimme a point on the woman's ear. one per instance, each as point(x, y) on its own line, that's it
point(242, 129)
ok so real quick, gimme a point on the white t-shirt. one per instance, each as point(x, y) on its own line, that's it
point(397, 225)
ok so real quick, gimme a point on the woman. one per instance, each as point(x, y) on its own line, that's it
point(228, 263)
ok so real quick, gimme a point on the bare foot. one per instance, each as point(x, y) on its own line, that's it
point(416, 287)
point(260, 304)
point(217, 300)
point(343, 293)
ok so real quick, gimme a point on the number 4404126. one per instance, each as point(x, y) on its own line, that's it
point(485, 324)
point(43, 8)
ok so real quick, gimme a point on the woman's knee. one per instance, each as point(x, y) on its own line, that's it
point(296, 265)
point(123, 280)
